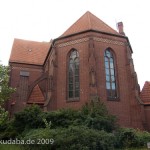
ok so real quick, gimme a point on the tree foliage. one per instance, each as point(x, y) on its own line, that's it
point(90, 128)
point(5, 91)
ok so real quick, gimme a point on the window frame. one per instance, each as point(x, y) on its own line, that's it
point(74, 76)
point(111, 73)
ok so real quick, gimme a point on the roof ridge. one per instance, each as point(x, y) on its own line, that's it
point(31, 40)
point(89, 21)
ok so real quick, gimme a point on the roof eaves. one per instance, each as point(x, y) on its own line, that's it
point(90, 30)
point(24, 63)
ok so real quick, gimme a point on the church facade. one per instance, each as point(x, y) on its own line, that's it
point(88, 60)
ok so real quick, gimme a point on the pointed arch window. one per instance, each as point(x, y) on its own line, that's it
point(111, 85)
point(73, 75)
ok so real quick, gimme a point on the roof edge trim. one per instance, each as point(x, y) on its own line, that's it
point(25, 63)
point(91, 30)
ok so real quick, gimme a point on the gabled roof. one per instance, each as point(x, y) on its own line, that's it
point(145, 93)
point(29, 52)
point(89, 22)
point(36, 96)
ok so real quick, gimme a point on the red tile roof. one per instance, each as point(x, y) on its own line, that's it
point(145, 93)
point(29, 52)
point(87, 22)
point(36, 96)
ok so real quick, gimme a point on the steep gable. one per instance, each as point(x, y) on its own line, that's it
point(29, 52)
point(89, 22)
point(145, 93)
point(36, 96)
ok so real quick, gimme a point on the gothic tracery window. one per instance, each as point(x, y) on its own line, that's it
point(73, 75)
point(111, 85)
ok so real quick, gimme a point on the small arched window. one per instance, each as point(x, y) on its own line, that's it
point(73, 75)
point(111, 85)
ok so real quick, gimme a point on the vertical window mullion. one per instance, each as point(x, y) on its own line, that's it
point(74, 79)
point(74, 60)
point(110, 78)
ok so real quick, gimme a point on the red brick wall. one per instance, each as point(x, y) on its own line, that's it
point(16, 104)
point(123, 108)
point(62, 75)
point(126, 108)
point(147, 117)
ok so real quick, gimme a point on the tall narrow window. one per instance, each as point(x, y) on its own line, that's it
point(111, 85)
point(73, 75)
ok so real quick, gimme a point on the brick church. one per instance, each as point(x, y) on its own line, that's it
point(90, 59)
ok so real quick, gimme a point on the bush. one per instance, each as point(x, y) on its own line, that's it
point(74, 137)
point(29, 118)
point(7, 131)
point(94, 115)
point(128, 137)
point(142, 138)
point(125, 137)
point(41, 136)
point(63, 118)
point(97, 117)
point(90, 128)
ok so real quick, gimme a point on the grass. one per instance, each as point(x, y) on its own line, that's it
point(133, 149)
point(17, 147)
point(10, 147)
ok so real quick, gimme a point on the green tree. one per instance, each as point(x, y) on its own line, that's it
point(5, 91)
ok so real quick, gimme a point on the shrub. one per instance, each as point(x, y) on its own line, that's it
point(97, 117)
point(128, 137)
point(63, 118)
point(7, 131)
point(29, 118)
point(142, 138)
point(94, 115)
point(74, 137)
point(125, 137)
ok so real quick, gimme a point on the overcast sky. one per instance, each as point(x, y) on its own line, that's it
point(42, 20)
